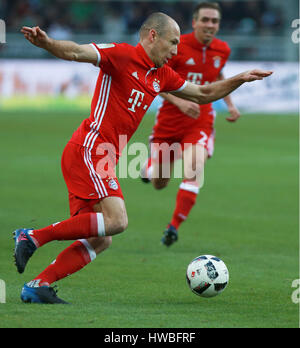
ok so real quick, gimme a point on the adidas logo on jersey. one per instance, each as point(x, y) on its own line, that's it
point(135, 74)
point(190, 62)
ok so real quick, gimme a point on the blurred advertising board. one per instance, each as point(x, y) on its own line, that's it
point(60, 85)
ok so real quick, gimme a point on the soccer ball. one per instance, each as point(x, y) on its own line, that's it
point(207, 276)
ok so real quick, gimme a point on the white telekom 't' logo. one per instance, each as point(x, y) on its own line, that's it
point(135, 100)
point(195, 77)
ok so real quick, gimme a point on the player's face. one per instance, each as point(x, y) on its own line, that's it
point(165, 46)
point(206, 25)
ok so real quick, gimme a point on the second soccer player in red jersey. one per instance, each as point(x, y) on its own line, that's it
point(200, 60)
point(129, 79)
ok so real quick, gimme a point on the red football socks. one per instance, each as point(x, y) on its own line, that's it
point(81, 226)
point(69, 261)
point(185, 200)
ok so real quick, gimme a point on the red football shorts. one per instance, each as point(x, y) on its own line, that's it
point(164, 149)
point(81, 206)
point(89, 177)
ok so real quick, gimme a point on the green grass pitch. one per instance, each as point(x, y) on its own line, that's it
point(247, 214)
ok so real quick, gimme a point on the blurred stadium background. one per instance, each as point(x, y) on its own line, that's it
point(257, 31)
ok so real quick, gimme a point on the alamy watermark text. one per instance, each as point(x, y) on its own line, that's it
point(296, 33)
point(2, 291)
point(2, 31)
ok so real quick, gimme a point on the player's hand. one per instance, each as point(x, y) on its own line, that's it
point(36, 36)
point(257, 74)
point(189, 108)
point(234, 114)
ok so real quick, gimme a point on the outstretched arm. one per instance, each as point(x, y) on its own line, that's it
point(67, 50)
point(205, 94)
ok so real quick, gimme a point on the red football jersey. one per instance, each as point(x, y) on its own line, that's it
point(198, 64)
point(127, 84)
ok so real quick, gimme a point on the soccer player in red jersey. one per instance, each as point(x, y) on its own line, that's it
point(129, 79)
point(200, 60)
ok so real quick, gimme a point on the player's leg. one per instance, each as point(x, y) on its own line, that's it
point(159, 166)
point(80, 253)
point(112, 220)
point(160, 176)
point(194, 161)
point(194, 158)
point(152, 172)
point(74, 258)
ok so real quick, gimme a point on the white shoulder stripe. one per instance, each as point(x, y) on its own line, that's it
point(94, 125)
point(181, 88)
point(98, 55)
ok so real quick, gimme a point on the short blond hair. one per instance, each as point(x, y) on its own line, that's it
point(158, 21)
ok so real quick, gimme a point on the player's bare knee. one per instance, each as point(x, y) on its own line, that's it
point(99, 244)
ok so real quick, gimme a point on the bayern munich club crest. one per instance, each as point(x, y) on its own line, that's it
point(156, 85)
point(112, 184)
point(217, 62)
